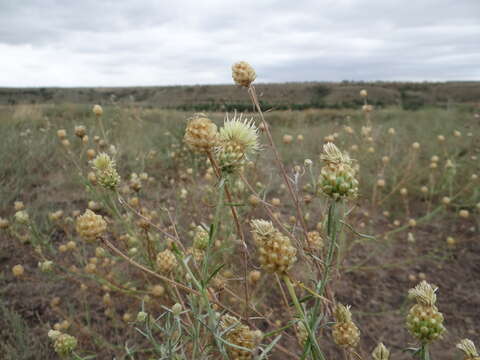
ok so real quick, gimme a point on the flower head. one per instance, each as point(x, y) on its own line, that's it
point(201, 133)
point(243, 73)
point(381, 352)
point(105, 170)
point(238, 138)
point(468, 348)
point(90, 225)
point(276, 253)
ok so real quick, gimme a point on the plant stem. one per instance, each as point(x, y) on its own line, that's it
point(316, 352)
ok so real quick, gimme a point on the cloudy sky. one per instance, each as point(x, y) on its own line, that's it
point(148, 42)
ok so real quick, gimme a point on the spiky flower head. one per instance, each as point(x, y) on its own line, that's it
point(201, 133)
point(105, 171)
point(90, 226)
point(423, 293)
point(337, 176)
point(238, 139)
point(64, 344)
point(424, 321)
point(345, 332)
point(166, 261)
point(381, 352)
point(239, 335)
point(468, 348)
point(276, 253)
point(243, 73)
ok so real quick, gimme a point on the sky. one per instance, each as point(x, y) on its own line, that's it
point(170, 42)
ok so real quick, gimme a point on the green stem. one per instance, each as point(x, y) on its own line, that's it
point(316, 352)
point(425, 354)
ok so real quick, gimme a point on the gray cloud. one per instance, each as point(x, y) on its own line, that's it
point(148, 42)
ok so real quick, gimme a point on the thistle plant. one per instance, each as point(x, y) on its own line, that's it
point(240, 338)
point(238, 139)
point(345, 333)
point(90, 226)
point(337, 177)
point(424, 321)
point(276, 253)
point(105, 171)
point(201, 133)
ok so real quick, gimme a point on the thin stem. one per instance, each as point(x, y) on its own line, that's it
point(316, 352)
point(236, 219)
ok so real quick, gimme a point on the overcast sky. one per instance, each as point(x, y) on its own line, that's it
point(147, 42)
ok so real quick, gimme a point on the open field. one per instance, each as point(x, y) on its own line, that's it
point(416, 217)
point(296, 96)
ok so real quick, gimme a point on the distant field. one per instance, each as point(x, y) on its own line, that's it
point(402, 228)
point(296, 96)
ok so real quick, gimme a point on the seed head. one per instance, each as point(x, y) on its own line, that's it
point(276, 253)
point(345, 332)
point(4, 223)
point(240, 335)
point(363, 93)
point(97, 110)
point(80, 131)
point(243, 73)
point(166, 261)
point(201, 133)
point(105, 171)
point(62, 134)
point(18, 270)
point(90, 226)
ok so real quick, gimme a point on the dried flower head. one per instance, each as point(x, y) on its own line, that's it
point(62, 134)
point(276, 253)
point(243, 73)
point(345, 332)
point(97, 110)
point(18, 270)
point(239, 335)
point(105, 171)
point(201, 133)
point(166, 261)
point(80, 131)
point(90, 226)
point(468, 348)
